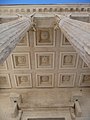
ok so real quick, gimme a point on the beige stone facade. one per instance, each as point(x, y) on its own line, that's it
point(45, 62)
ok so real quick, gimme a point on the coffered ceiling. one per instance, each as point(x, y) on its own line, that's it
point(44, 58)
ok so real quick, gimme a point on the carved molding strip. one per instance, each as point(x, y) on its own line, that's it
point(41, 8)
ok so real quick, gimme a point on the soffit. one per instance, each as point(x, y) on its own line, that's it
point(44, 59)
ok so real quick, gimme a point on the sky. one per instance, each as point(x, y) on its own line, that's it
point(43, 1)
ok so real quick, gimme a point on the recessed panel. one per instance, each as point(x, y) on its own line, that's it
point(21, 60)
point(44, 37)
point(3, 66)
point(85, 79)
point(84, 65)
point(44, 80)
point(23, 80)
point(65, 42)
point(44, 60)
point(24, 41)
point(68, 60)
point(5, 81)
point(66, 80)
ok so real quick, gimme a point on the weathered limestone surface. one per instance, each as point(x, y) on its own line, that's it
point(8, 18)
point(78, 111)
point(37, 98)
point(78, 34)
point(44, 77)
point(11, 33)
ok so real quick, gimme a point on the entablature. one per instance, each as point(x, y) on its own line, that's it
point(27, 9)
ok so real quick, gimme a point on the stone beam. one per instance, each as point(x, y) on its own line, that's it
point(11, 33)
point(8, 18)
point(78, 34)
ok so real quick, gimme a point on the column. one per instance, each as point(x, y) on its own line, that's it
point(11, 33)
point(78, 34)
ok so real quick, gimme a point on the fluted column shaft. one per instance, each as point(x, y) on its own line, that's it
point(11, 33)
point(78, 34)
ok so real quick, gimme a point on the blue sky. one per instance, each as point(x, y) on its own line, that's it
point(42, 1)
